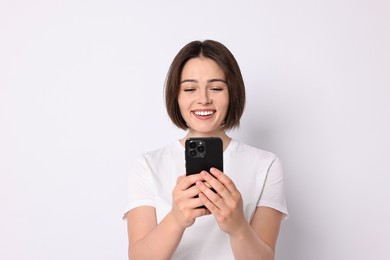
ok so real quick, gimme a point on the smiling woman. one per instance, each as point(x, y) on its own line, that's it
point(225, 64)
point(237, 212)
point(203, 97)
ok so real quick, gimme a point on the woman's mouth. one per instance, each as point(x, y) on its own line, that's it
point(204, 113)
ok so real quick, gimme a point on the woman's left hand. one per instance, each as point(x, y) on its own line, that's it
point(225, 203)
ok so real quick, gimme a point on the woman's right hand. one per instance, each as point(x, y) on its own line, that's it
point(185, 202)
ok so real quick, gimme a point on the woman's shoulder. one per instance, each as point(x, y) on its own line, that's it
point(171, 149)
point(244, 149)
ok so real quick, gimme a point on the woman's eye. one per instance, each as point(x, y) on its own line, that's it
point(216, 89)
point(189, 90)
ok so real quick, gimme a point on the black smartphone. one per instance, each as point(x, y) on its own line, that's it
point(202, 153)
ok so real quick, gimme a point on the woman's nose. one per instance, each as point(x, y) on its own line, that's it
point(204, 98)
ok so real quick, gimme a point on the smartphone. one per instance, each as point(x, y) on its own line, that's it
point(202, 153)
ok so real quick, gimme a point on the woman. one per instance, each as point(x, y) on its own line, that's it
point(205, 95)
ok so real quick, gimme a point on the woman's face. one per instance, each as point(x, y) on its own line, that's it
point(203, 97)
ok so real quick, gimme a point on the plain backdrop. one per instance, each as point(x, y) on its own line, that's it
point(81, 94)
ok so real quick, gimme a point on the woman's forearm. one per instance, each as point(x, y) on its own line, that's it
point(160, 243)
point(247, 246)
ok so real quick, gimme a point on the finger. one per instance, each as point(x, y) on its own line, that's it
point(215, 184)
point(211, 207)
point(198, 212)
point(188, 181)
point(210, 195)
point(192, 192)
point(207, 184)
point(232, 197)
point(196, 203)
point(179, 179)
point(187, 199)
point(189, 193)
point(192, 204)
point(224, 179)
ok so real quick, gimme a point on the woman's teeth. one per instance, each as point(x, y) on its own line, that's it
point(203, 113)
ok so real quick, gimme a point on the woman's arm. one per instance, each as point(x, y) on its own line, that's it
point(258, 240)
point(149, 240)
point(255, 240)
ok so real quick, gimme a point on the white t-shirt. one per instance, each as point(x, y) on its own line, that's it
point(257, 174)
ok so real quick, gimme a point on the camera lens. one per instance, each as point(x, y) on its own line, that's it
point(193, 153)
point(201, 148)
point(192, 145)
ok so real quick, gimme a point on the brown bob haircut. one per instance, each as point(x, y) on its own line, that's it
point(225, 59)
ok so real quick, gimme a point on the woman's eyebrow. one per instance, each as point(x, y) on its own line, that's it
point(188, 80)
point(209, 81)
point(216, 80)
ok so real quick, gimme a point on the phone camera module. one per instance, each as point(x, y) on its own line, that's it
point(196, 148)
point(200, 148)
point(192, 145)
point(193, 153)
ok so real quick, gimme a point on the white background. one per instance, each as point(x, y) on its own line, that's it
point(81, 93)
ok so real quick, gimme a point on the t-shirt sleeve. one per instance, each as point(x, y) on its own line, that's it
point(273, 194)
point(140, 185)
